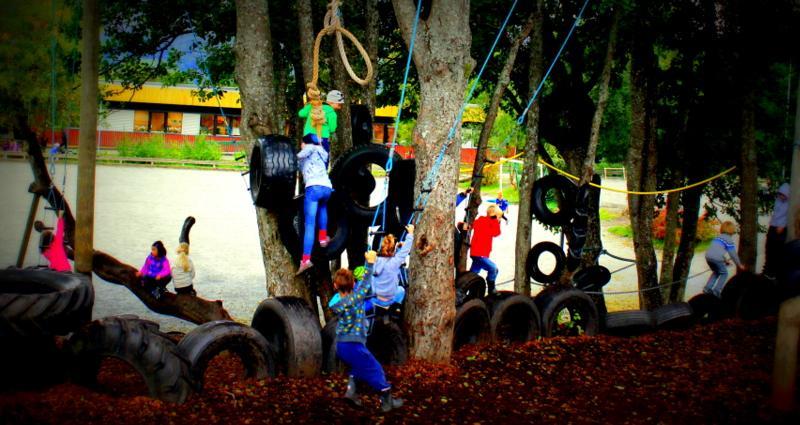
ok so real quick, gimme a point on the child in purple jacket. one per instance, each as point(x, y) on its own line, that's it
point(156, 273)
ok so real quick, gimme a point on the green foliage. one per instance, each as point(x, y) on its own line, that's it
point(156, 147)
point(405, 132)
point(201, 149)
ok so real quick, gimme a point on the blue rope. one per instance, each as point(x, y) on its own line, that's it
point(430, 179)
point(381, 209)
point(521, 118)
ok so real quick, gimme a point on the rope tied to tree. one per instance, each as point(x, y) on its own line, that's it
point(332, 25)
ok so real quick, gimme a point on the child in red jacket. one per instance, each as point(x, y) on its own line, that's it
point(484, 229)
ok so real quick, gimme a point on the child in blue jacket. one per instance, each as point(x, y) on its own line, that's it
point(351, 336)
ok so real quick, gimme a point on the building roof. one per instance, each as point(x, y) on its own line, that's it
point(473, 113)
point(170, 95)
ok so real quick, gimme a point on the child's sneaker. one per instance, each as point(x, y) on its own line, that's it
point(323, 243)
point(304, 265)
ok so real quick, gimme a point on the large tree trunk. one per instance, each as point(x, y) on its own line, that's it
point(305, 25)
point(748, 232)
point(594, 242)
point(341, 82)
point(670, 239)
point(491, 115)
point(641, 175)
point(373, 25)
point(524, 219)
point(441, 56)
point(194, 309)
point(687, 244)
point(254, 73)
point(90, 60)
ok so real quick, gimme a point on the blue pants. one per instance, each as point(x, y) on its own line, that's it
point(484, 263)
point(399, 296)
point(315, 208)
point(719, 275)
point(363, 365)
point(326, 144)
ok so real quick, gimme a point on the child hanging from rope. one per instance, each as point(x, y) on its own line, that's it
point(484, 229)
point(320, 135)
point(313, 164)
point(53, 249)
point(156, 272)
point(386, 279)
point(183, 272)
point(715, 257)
point(351, 336)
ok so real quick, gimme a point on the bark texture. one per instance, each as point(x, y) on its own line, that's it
point(441, 57)
point(371, 44)
point(254, 73)
point(305, 25)
point(491, 116)
point(642, 173)
point(341, 82)
point(524, 220)
point(193, 309)
point(670, 240)
point(686, 246)
point(748, 175)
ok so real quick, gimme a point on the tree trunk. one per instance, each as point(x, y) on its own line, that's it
point(373, 25)
point(341, 82)
point(641, 165)
point(594, 242)
point(254, 74)
point(305, 25)
point(670, 239)
point(524, 219)
point(748, 175)
point(687, 244)
point(491, 115)
point(87, 150)
point(194, 309)
point(441, 57)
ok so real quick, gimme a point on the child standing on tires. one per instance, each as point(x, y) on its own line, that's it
point(351, 336)
point(321, 135)
point(54, 250)
point(313, 164)
point(484, 230)
point(386, 279)
point(156, 272)
point(715, 257)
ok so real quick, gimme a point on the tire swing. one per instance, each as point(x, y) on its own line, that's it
point(138, 343)
point(352, 177)
point(629, 323)
point(292, 329)
point(292, 229)
point(469, 286)
point(385, 341)
point(673, 316)
point(273, 170)
point(514, 317)
point(749, 296)
point(471, 324)
point(43, 302)
point(567, 311)
point(532, 262)
point(208, 340)
point(565, 191)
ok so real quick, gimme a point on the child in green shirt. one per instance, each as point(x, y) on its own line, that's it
point(333, 102)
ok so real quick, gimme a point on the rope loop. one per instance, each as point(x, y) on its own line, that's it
point(332, 25)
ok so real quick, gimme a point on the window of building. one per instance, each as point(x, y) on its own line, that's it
point(158, 121)
point(141, 121)
point(219, 124)
point(174, 122)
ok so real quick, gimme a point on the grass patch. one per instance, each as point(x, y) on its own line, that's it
point(606, 215)
point(157, 147)
point(626, 232)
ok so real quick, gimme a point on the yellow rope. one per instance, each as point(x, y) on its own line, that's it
point(332, 25)
point(633, 192)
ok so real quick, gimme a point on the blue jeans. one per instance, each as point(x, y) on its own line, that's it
point(399, 296)
point(315, 207)
point(363, 365)
point(719, 275)
point(484, 263)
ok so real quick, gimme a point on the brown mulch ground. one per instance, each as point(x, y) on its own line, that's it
point(712, 374)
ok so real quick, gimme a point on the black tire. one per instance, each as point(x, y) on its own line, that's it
point(469, 286)
point(206, 341)
point(273, 170)
point(187, 227)
point(153, 355)
point(292, 329)
point(43, 302)
point(352, 180)
point(758, 297)
point(582, 317)
point(706, 308)
point(386, 342)
point(566, 200)
point(361, 123)
point(532, 262)
point(591, 277)
point(673, 316)
point(514, 317)
point(629, 323)
point(471, 324)
point(292, 229)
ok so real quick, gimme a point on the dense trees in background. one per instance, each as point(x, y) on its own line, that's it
point(678, 91)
